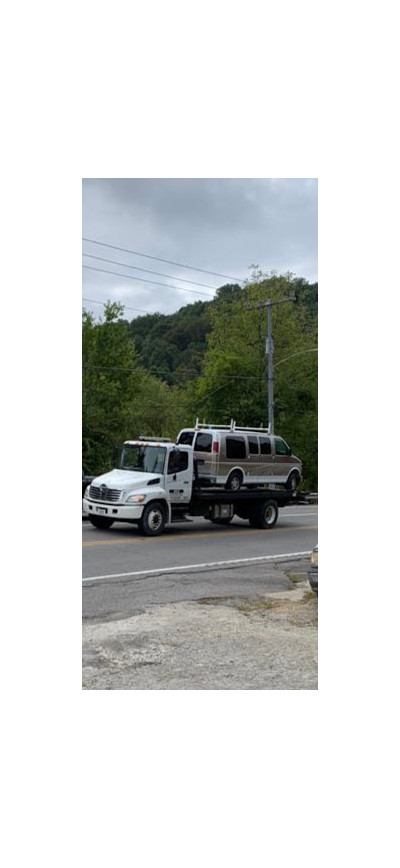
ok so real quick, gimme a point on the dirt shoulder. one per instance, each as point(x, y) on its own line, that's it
point(267, 642)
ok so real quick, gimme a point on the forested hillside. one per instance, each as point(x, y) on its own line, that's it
point(156, 374)
point(173, 344)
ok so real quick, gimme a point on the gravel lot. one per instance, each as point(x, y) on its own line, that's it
point(267, 642)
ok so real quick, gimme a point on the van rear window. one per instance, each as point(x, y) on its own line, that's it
point(186, 438)
point(235, 447)
point(203, 443)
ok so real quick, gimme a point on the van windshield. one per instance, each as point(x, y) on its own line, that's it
point(147, 459)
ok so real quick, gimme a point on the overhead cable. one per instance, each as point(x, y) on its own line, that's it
point(159, 259)
point(144, 280)
point(147, 270)
point(105, 303)
point(167, 373)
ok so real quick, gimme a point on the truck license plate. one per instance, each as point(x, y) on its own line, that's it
point(101, 509)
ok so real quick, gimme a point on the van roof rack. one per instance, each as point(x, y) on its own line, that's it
point(231, 427)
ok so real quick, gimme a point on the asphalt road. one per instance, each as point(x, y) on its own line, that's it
point(123, 571)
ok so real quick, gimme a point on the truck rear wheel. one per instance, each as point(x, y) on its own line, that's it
point(101, 521)
point(265, 515)
point(152, 522)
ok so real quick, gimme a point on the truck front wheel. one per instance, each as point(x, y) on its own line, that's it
point(152, 522)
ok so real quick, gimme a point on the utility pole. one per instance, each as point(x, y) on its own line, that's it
point(269, 349)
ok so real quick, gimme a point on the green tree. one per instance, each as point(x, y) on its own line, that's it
point(156, 374)
point(111, 376)
point(234, 380)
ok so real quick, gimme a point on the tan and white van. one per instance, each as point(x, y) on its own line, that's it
point(234, 456)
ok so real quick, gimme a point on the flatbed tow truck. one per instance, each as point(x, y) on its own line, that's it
point(155, 483)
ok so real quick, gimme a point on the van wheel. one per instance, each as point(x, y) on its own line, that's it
point(293, 481)
point(152, 521)
point(101, 522)
point(234, 481)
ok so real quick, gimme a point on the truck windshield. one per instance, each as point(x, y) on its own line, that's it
point(147, 459)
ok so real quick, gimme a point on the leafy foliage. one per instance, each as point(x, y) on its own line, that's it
point(157, 373)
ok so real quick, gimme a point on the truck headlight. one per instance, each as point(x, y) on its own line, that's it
point(136, 498)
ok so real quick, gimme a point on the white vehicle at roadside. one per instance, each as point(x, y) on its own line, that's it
point(156, 482)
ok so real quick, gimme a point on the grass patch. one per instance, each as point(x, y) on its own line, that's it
point(261, 606)
point(309, 595)
point(295, 577)
point(212, 601)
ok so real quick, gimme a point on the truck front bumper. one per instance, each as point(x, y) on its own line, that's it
point(130, 512)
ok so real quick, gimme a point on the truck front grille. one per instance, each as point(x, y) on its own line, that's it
point(111, 495)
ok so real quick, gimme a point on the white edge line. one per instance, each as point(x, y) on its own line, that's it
point(161, 570)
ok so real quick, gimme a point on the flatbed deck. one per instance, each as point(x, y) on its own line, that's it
point(222, 495)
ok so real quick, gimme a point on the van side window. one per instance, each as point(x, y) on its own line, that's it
point(253, 445)
point(186, 438)
point(203, 443)
point(265, 446)
point(281, 448)
point(235, 447)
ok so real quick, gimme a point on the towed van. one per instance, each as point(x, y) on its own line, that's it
point(233, 456)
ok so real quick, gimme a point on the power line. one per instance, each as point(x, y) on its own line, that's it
point(144, 280)
point(147, 270)
point(314, 350)
point(104, 303)
point(158, 258)
point(125, 306)
point(169, 373)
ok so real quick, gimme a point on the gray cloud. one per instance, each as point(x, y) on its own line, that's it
point(223, 225)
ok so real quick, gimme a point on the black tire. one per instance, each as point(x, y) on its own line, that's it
point(152, 522)
point(293, 481)
point(234, 481)
point(226, 520)
point(265, 515)
point(101, 521)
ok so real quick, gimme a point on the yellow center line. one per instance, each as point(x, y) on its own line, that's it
point(127, 542)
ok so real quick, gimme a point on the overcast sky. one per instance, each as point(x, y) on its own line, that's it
point(220, 225)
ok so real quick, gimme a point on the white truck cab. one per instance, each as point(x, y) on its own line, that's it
point(151, 475)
